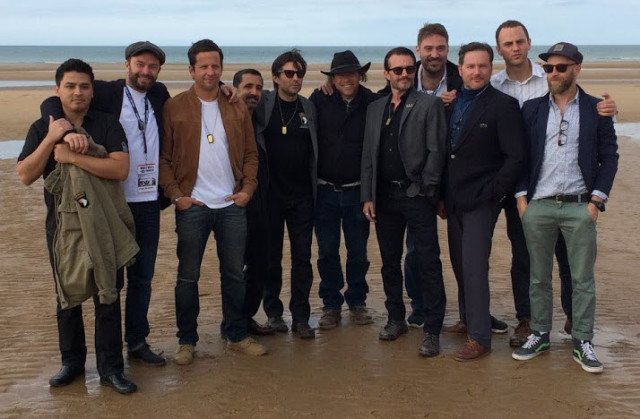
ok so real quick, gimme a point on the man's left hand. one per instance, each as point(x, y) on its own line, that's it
point(63, 154)
point(231, 92)
point(241, 199)
point(607, 106)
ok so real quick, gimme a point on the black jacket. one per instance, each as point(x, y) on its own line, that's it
point(341, 134)
point(490, 154)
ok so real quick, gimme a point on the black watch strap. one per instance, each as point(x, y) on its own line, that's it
point(598, 204)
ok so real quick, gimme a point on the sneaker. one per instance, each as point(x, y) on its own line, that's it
point(329, 319)
point(520, 335)
point(416, 319)
point(472, 350)
point(360, 316)
point(393, 329)
point(534, 346)
point(584, 355)
point(248, 346)
point(278, 324)
point(459, 327)
point(303, 330)
point(184, 354)
point(146, 356)
point(498, 326)
point(430, 345)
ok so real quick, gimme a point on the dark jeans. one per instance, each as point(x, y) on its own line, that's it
point(395, 212)
point(193, 226)
point(298, 215)
point(256, 261)
point(146, 216)
point(334, 208)
point(411, 276)
point(470, 234)
point(108, 329)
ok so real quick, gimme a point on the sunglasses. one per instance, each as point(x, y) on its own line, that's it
point(410, 69)
point(560, 68)
point(290, 73)
point(562, 136)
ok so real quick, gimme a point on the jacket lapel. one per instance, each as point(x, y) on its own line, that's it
point(477, 109)
point(408, 107)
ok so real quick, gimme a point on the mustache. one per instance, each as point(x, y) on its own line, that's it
point(254, 97)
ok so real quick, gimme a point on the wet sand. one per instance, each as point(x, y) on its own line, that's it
point(345, 372)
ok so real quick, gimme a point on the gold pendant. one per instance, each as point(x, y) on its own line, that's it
point(387, 122)
point(210, 138)
point(284, 130)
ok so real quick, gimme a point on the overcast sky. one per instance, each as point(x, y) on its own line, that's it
point(303, 22)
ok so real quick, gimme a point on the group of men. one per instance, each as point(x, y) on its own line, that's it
point(440, 139)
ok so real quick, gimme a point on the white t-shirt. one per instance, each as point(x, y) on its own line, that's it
point(142, 183)
point(215, 180)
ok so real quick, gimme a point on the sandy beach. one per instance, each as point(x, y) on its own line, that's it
point(345, 372)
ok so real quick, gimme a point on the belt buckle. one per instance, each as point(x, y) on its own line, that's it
point(397, 184)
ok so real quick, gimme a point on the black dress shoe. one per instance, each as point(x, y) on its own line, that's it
point(256, 328)
point(146, 356)
point(430, 345)
point(119, 383)
point(303, 330)
point(393, 329)
point(65, 376)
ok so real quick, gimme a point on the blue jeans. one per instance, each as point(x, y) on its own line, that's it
point(411, 283)
point(146, 216)
point(229, 226)
point(332, 209)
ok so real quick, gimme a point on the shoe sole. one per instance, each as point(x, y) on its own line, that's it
point(242, 351)
point(416, 325)
point(472, 359)
point(527, 357)
point(391, 338)
point(143, 362)
point(499, 331)
point(592, 370)
point(428, 354)
point(327, 326)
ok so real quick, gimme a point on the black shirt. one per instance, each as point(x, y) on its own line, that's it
point(289, 154)
point(391, 166)
point(104, 130)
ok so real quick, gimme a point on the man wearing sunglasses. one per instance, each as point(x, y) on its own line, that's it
point(287, 131)
point(524, 80)
point(402, 161)
point(572, 165)
point(486, 157)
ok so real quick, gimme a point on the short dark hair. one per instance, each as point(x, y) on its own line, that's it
point(73, 64)
point(203, 45)
point(510, 24)
point(398, 51)
point(474, 46)
point(237, 78)
point(432, 29)
point(293, 56)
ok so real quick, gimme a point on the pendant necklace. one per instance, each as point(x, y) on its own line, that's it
point(388, 121)
point(284, 126)
point(210, 138)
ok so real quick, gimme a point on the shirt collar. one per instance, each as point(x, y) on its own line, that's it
point(576, 99)
point(536, 72)
point(419, 86)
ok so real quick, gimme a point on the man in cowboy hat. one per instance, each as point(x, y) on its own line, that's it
point(341, 121)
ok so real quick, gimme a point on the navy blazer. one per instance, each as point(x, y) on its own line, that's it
point(490, 155)
point(597, 144)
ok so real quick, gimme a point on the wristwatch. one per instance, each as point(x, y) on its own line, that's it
point(598, 204)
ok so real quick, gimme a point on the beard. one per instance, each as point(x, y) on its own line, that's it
point(560, 85)
point(141, 83)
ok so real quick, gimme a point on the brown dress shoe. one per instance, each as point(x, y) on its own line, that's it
point(520, 335)
point(361, 316)
point(459, 327)
point(329, 319)
point(471, 351)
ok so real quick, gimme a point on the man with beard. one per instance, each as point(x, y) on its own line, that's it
point(573, 162)
point(524, 80)
point(138, 101)
point(403, 158)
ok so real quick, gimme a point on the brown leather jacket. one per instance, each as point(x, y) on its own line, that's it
point(181, 144)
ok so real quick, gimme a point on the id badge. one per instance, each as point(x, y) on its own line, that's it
point(147, 178)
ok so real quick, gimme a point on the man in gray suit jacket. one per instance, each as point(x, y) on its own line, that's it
point(402, 161)
point(286, 129)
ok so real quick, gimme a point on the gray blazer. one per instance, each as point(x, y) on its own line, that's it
point(422, 144)
point(261, 117)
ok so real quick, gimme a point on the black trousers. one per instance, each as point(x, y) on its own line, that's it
point(298, 215)
point(108, 329)
point(395, 213)
point(256, 261)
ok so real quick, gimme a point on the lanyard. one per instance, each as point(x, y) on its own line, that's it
point(141, 125)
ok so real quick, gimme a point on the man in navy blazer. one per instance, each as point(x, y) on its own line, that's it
point(573, 161)
point(486, 157)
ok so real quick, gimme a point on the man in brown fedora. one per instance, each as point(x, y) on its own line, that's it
point(341, 121)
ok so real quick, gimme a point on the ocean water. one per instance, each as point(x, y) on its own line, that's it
point(265, 55)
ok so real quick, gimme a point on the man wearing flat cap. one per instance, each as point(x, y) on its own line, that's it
point(137, 101)
point(572, 165)
point(341, 120)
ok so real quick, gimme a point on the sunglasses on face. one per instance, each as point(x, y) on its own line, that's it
point(410, 69)
point(290, 73)
point(560, 68)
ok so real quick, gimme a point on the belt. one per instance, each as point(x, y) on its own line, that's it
point(340, 188)
point(585, 197)
point(398, 184)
